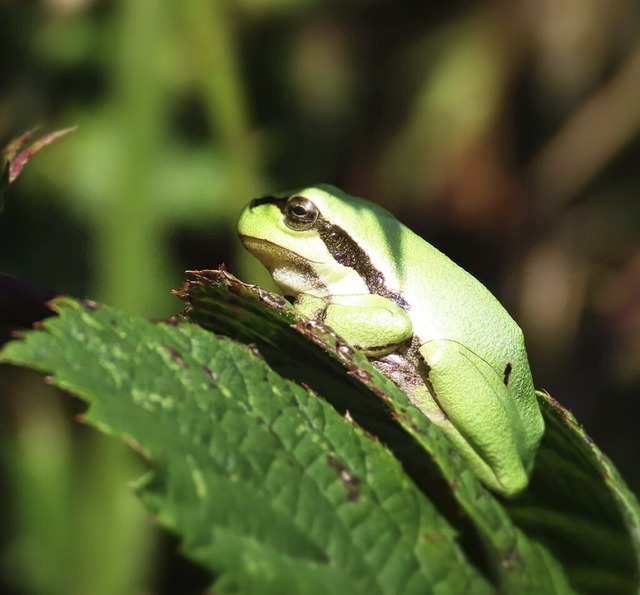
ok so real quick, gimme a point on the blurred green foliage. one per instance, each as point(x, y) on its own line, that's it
point(504, 132)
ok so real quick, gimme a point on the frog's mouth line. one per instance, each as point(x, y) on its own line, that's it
point(272, 254)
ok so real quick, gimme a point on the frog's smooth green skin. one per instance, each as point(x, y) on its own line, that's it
point(425, 322)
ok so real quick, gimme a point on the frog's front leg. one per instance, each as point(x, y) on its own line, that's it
point(370, 323)
point(469, 400)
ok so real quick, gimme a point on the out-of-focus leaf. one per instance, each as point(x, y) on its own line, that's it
point(16, 154)
point(579, 506)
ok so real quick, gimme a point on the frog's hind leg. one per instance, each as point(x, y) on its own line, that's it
point(469, 400)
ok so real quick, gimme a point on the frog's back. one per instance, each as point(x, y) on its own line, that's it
point(442, 299)
point(452, 303)
point(449, 303)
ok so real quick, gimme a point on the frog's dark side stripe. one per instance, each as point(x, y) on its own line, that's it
point(346, 252)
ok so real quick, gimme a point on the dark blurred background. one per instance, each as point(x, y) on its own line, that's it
point(505, 132)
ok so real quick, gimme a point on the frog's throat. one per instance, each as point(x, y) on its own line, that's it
point(291, 272)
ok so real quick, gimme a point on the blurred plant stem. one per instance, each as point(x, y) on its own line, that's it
point(133, 252)
point(79, 530)
point(114, 546)
point(216, 66)
point(101, 543)
point(39, 458)
point(604, 124)
point(209, 31)
point(132, 255)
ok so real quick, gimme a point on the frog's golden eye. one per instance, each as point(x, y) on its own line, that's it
point(300, 213)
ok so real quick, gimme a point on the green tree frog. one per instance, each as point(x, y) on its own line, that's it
point(426, 323)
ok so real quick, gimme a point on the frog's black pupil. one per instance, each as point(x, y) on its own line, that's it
point(299, 211)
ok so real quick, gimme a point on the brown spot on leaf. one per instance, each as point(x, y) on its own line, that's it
point(361, 375)
point(209, 373)
point(350, 481)
point(90, 305)
point(176, 356)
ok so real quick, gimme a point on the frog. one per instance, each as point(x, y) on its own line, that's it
point(421, 319)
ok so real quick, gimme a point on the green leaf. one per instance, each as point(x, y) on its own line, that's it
point(578, 504)
point(268, 485)
point(291, 465)
point(563, 508)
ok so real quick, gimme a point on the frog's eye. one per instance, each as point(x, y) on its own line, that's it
point(300, 213)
